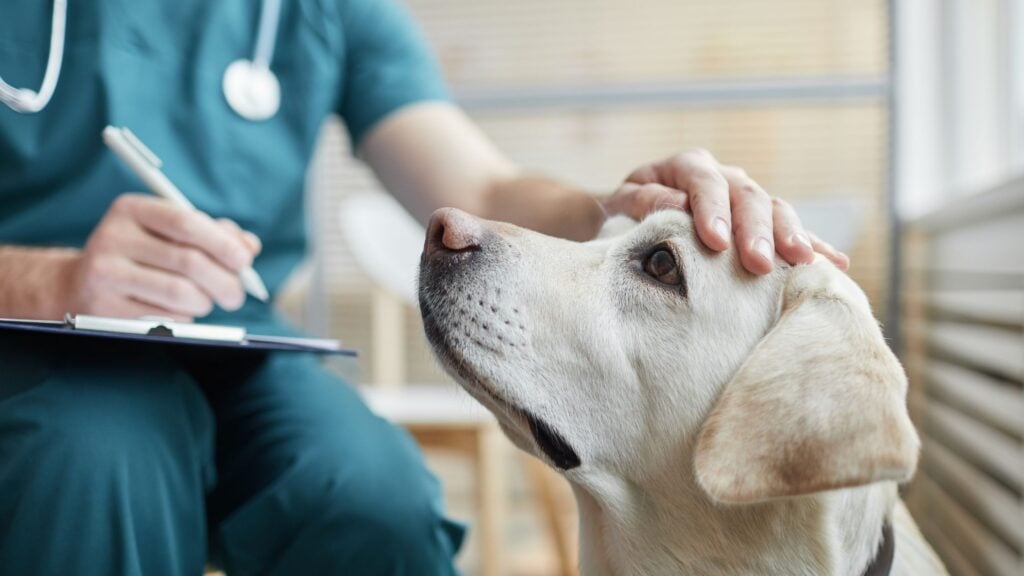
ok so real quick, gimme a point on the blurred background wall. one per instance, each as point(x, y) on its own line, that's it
point(867, 114)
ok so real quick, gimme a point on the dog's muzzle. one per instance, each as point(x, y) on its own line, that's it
point(462, 309)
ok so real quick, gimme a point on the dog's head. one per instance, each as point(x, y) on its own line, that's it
point(623, 355)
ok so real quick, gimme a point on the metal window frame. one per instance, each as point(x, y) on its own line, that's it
point(1013, 34)
point(892, 324)
point(765, 91)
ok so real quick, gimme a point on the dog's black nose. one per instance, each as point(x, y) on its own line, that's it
point(452, 230)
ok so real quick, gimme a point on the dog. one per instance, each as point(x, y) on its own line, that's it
point(709, 421)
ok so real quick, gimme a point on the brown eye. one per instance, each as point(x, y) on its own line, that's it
point(661, 265)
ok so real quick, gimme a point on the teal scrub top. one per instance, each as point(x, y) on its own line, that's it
point(156, 67)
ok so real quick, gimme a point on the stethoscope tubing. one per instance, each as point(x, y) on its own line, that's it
point(28, 101)
point(266, 38)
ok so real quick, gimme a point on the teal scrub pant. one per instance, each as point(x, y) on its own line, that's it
point(130, 458)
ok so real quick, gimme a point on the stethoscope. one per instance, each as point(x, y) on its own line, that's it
point(250, 86)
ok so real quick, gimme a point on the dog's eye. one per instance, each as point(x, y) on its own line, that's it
point(661, 265)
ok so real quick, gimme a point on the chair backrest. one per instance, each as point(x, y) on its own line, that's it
point(385, 241)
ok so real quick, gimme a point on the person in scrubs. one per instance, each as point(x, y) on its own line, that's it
point(136, 459)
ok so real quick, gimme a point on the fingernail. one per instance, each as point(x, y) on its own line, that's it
point(721, 228)
point(762, 247)
point(800, 238)
point(254, 242)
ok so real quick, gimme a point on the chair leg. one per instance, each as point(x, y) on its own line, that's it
point(491, 497)
point(388, 316)
point(543, 481)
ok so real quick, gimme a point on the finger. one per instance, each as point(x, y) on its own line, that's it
point(662, 197)
point(639, 200)
point(251, 241)
point(697, 174)
point(158, 288)
point(791, 241)
point(643, 175)
point(752, 221)
point(842, 261)
point(217, 282)
point(186, 226)
point(124, 307)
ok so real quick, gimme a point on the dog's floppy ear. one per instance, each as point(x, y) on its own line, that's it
point(818, 405)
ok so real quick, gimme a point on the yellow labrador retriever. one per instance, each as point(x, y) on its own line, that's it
point(710, 422)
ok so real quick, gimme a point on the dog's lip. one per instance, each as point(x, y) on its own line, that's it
point(550, 442)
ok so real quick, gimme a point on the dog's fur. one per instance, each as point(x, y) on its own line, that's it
point(729, 425)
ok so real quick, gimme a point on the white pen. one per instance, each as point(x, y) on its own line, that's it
point(146, 166)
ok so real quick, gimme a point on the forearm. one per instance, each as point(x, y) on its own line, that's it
point(32, 281)
point(544, 205)
point(432, 156)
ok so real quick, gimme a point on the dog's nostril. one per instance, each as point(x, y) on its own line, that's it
point(452, 230)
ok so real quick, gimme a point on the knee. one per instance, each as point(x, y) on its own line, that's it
point(397, 510)
point(388, 508)
point(115, 422)
point(121, 458)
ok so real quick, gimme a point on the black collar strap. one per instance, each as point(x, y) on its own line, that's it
point(882, 563)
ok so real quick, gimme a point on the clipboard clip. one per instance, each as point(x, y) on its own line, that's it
point(160, 330)
point(156, 326)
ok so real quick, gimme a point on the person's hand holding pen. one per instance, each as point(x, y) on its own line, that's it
point(150, 257)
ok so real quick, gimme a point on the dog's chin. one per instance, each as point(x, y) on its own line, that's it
point(512, 417)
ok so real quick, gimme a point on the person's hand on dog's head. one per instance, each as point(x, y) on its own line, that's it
point(722, 199)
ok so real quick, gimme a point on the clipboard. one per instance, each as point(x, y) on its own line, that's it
point(166, 331)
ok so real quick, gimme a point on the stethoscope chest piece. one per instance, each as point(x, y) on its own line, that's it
point(252, 91)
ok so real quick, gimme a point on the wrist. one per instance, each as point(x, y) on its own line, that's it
point(36, 282)
point(594, 214)
point(64, 266)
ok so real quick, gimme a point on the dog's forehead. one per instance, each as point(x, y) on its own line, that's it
point(661, 224)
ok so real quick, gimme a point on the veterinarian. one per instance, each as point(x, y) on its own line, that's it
point(126, 460)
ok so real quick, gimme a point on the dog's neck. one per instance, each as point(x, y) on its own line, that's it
point(673, 528)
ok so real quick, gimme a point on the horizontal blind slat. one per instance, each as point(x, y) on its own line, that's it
point(995, 453)
point(1004, 307)
point(956, 562)
point(993, 247)
point(987, 500)
point(992, 401)
point(993, 349)
point(966, 535)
